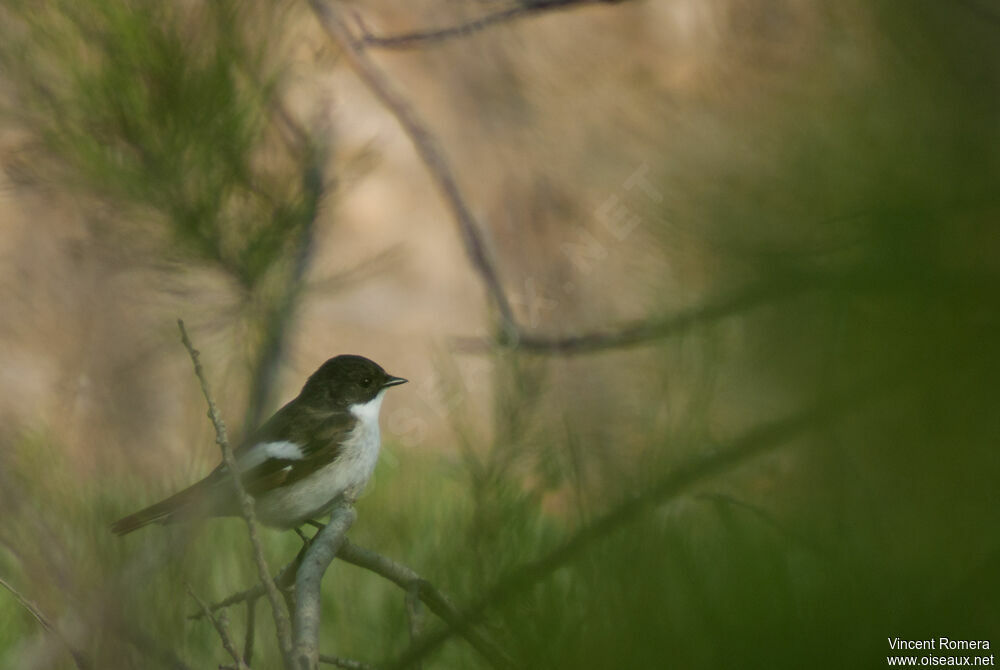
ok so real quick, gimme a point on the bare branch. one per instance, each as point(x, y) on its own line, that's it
point(437, 35)
point(309, 580)
point(764, 292)
point(221, 629)
point(281, 621)
point(427, 148)
point(639, 332)
point(34, 611)
point(436, 601)
point(752, 444)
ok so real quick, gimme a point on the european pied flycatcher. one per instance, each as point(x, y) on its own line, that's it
point(318, 449)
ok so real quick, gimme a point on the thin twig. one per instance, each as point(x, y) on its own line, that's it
point(427, 148)
point(34, 611)
point(421, 38)
point(281, 621)
point(752, 444)
point(309, 580)
point(221, 629)
point(436, 601)
point(283, 579)
point(414, 615)
point(251, 630)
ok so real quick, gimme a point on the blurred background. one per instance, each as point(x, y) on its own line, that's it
point(771, 223)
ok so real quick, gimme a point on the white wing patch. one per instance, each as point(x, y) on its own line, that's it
point(265, 451)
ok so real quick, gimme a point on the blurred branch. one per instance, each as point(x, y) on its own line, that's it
point(308, 582)
point(752, 444)
point(787, 286)
point(221, 629)
point(427, 148)
point(251, 630)
point(436, 601)
point(639, 332)
point(435, 35)
point(770, 520)
point(414, 615)
point(280, 318)
point(281, 621)
point(34, 611)
point(346, 663)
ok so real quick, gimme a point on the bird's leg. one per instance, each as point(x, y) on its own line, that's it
point(305, 538)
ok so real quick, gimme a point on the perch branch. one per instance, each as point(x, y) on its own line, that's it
point(397, 573)
point(308, 582)
point(281, 621)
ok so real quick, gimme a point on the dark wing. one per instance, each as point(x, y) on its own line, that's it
point(318, 433)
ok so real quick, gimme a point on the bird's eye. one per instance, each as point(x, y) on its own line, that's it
point(366, 382)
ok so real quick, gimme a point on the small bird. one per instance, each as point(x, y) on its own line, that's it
point(318, 449)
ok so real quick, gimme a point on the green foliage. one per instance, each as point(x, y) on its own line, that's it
point(164, 108)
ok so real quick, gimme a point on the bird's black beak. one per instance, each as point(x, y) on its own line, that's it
point(393, 381)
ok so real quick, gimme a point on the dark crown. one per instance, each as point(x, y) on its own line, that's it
point(348, 380)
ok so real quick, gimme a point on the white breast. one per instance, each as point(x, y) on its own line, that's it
point(347, 476)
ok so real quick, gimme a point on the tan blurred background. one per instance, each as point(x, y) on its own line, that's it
point(577, 137)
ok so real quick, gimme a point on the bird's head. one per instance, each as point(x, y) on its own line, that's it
point(347, 380)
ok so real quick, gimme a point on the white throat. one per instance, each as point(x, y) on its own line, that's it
point(367, 413)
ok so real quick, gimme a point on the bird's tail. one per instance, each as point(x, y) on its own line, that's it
point(178, 505)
